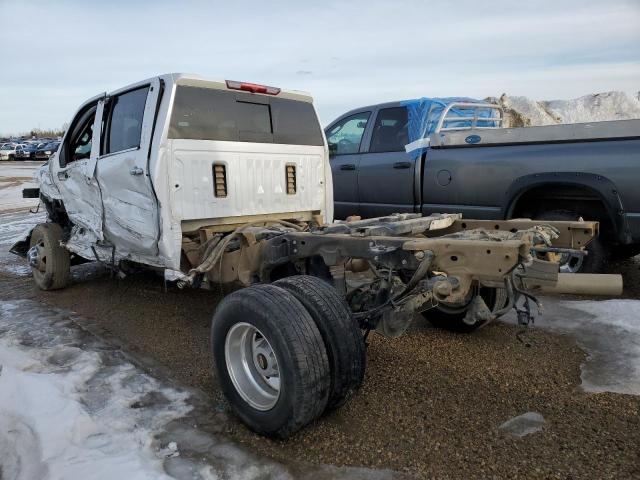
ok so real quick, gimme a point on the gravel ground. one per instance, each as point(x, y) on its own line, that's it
point(431, 403)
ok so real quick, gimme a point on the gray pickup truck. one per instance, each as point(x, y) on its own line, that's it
point(470, 165)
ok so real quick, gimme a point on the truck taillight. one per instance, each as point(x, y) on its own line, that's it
point(252, 87)
point(291, 179)
point(219, 180)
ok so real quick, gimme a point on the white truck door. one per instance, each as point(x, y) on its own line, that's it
point(73, 168)
point(128, 199)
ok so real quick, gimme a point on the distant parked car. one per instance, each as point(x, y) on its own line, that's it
point(45, 151)
point(26, 151)
point(8, 151)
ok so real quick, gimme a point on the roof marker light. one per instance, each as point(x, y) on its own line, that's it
point(252, 87)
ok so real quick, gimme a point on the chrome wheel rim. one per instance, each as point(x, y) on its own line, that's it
point(253, 366)
point(37, 258)
point(571, 263)
point(567, 263)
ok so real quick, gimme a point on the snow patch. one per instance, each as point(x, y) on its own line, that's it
point(610, 331)
point(522, 425)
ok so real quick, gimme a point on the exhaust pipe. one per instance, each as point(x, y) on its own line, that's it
point(586, 284)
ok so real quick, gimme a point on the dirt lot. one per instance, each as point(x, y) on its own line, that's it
point(431, 402)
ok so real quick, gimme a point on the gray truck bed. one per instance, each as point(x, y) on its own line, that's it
point(616, 129)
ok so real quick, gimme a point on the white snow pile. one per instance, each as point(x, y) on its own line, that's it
point(524, 112)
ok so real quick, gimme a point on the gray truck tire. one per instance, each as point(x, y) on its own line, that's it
point(270, 360)
point(341, 334)
point(597, 257)
point(52, 271)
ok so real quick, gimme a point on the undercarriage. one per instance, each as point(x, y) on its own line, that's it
point(291, 344)
point(392, 267)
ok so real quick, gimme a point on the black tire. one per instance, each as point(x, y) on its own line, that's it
point(597, 257)
point(53, 270)
point(452, 318)
point(341, 334)
point(299, 351)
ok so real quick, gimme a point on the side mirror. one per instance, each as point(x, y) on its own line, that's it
point(362, 125)
point(333, 148)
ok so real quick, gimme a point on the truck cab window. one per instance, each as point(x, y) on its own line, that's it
point(345, 136)
point(77, 145)
point(390, 133)
point(124, 121)
point(81, 143)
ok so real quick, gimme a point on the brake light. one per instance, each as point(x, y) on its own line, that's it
point(252, 87)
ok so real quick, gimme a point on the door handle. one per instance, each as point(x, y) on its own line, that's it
point(348, 166)
point(402, 165)
point(136, 171)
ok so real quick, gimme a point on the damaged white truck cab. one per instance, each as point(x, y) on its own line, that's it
point(142, 165)
point(229, 182)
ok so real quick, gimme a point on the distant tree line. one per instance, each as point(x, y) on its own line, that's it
point(39, 133)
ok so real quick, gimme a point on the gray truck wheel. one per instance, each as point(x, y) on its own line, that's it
point(451, 317)
point(340, 332)
point(270, 360)
point(597, 256)
point(48, 260)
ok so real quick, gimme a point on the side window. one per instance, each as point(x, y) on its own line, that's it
point(81, 144)
point(78, 145)
point(390, 132)
point(345, 136)
point(124, 121)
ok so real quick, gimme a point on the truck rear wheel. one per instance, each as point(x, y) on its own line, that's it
point(48, 260)
point(270, 360)
point(340, 332)
point(597, 256)
point(451, 318)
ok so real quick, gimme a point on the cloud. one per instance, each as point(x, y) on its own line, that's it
point(357, 52)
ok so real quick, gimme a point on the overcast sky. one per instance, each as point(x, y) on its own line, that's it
point(55, 55)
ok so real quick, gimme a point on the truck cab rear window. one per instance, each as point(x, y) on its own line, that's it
point(212, 114)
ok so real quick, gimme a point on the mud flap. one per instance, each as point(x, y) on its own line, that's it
point(21, 247)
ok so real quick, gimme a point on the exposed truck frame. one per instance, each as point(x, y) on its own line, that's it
point(291, 343)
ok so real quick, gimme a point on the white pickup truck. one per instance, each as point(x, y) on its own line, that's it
point(213, 182)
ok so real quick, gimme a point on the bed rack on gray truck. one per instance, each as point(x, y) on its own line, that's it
point(573, 132)
point(477, 122)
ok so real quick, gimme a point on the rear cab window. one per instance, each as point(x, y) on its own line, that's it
point(215, 114)
point(390, 130)
point(123, 121)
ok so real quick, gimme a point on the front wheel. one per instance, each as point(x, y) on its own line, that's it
point(270, 360)
point(49, 261)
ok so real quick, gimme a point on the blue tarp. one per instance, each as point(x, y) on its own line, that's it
point(424, 113)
